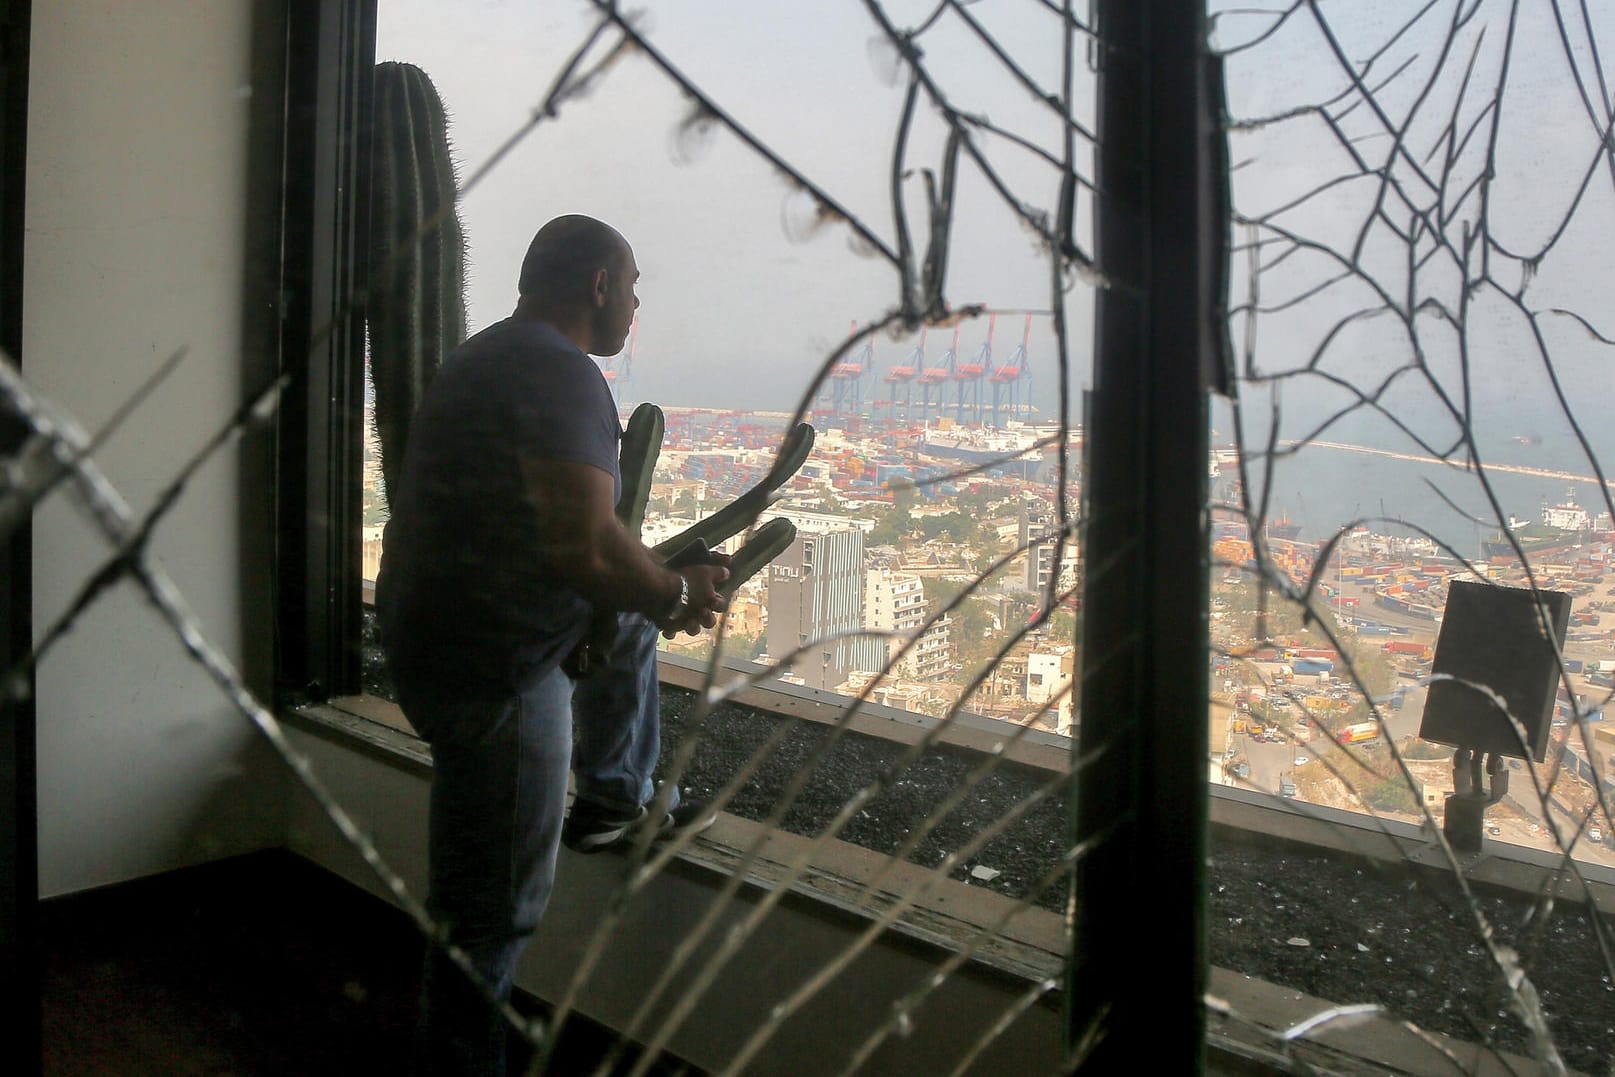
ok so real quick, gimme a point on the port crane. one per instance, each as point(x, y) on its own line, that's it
point(933, 376)
point(903, 374)
point(1007, 379)
point(621, 382)
point(841, 395)
point(969, 376)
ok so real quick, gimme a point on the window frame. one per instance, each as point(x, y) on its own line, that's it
point(330, 53)
point(20, 956)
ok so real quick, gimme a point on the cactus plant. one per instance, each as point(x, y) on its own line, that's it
point(416, 310)
point(744, 510)
point(641, 446)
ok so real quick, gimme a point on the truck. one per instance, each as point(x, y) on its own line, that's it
point(1405, 647)
point(1357, 732)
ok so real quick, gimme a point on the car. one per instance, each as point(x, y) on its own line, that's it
point(1301, 760)
point(1595, 834)
point(1493, 829)
point(1286, 787)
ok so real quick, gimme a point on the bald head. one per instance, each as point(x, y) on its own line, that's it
point(564, 256)
point(579, 276)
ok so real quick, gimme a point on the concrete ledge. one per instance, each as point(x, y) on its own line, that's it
point(1252, 817)
point(1249, 1016)
point(1034, 747)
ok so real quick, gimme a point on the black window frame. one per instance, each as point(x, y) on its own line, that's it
point(330, 53)
point(21, 1027)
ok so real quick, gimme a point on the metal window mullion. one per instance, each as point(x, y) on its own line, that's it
point(1138, 967)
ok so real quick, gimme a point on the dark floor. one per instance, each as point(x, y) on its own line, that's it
point(261, 965)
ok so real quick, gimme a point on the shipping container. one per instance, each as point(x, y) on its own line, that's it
point(1404, 647)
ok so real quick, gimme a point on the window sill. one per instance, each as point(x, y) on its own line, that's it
point(1031, 947)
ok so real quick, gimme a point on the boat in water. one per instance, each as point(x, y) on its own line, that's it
point(1282, 527)
point(1561, 527)
point(1013, 446)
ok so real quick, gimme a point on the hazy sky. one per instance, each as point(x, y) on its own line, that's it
point(1536, 145)
point(735, 311)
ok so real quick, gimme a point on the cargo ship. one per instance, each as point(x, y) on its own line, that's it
point(1012, 446)
point(1282, 527)
point(1562, 527)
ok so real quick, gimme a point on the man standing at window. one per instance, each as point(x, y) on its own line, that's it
point(503, 538)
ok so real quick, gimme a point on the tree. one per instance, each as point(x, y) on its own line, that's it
point(891, 527)
point(956, 525)
point(742, 645)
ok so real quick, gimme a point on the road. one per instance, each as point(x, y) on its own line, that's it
point(1521, 822)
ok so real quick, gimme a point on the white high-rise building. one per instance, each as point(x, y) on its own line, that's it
point(895, 602)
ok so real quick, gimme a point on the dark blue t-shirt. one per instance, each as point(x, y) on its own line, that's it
point(465, 598)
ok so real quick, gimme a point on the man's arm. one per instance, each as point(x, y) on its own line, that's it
point(584, 540)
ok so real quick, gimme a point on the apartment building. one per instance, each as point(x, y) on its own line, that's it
point(895, 602)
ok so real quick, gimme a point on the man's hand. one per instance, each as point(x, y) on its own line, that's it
point(705, 603)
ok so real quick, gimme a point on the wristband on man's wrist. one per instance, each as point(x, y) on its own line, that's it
point(683, 599)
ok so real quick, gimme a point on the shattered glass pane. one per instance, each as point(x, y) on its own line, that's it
point(1420, 196)
point(892, 265)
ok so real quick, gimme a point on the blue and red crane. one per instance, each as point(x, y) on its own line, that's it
point(903, 374)
point(933, 376)
point(622, 381)
point(1009, 377)
point(969, 376)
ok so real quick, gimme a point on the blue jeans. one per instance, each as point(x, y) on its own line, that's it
point(499, 778)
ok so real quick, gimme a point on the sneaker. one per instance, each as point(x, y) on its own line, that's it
point(591, 828)
point(690, 817)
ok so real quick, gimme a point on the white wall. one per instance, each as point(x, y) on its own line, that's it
point(137, 226)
